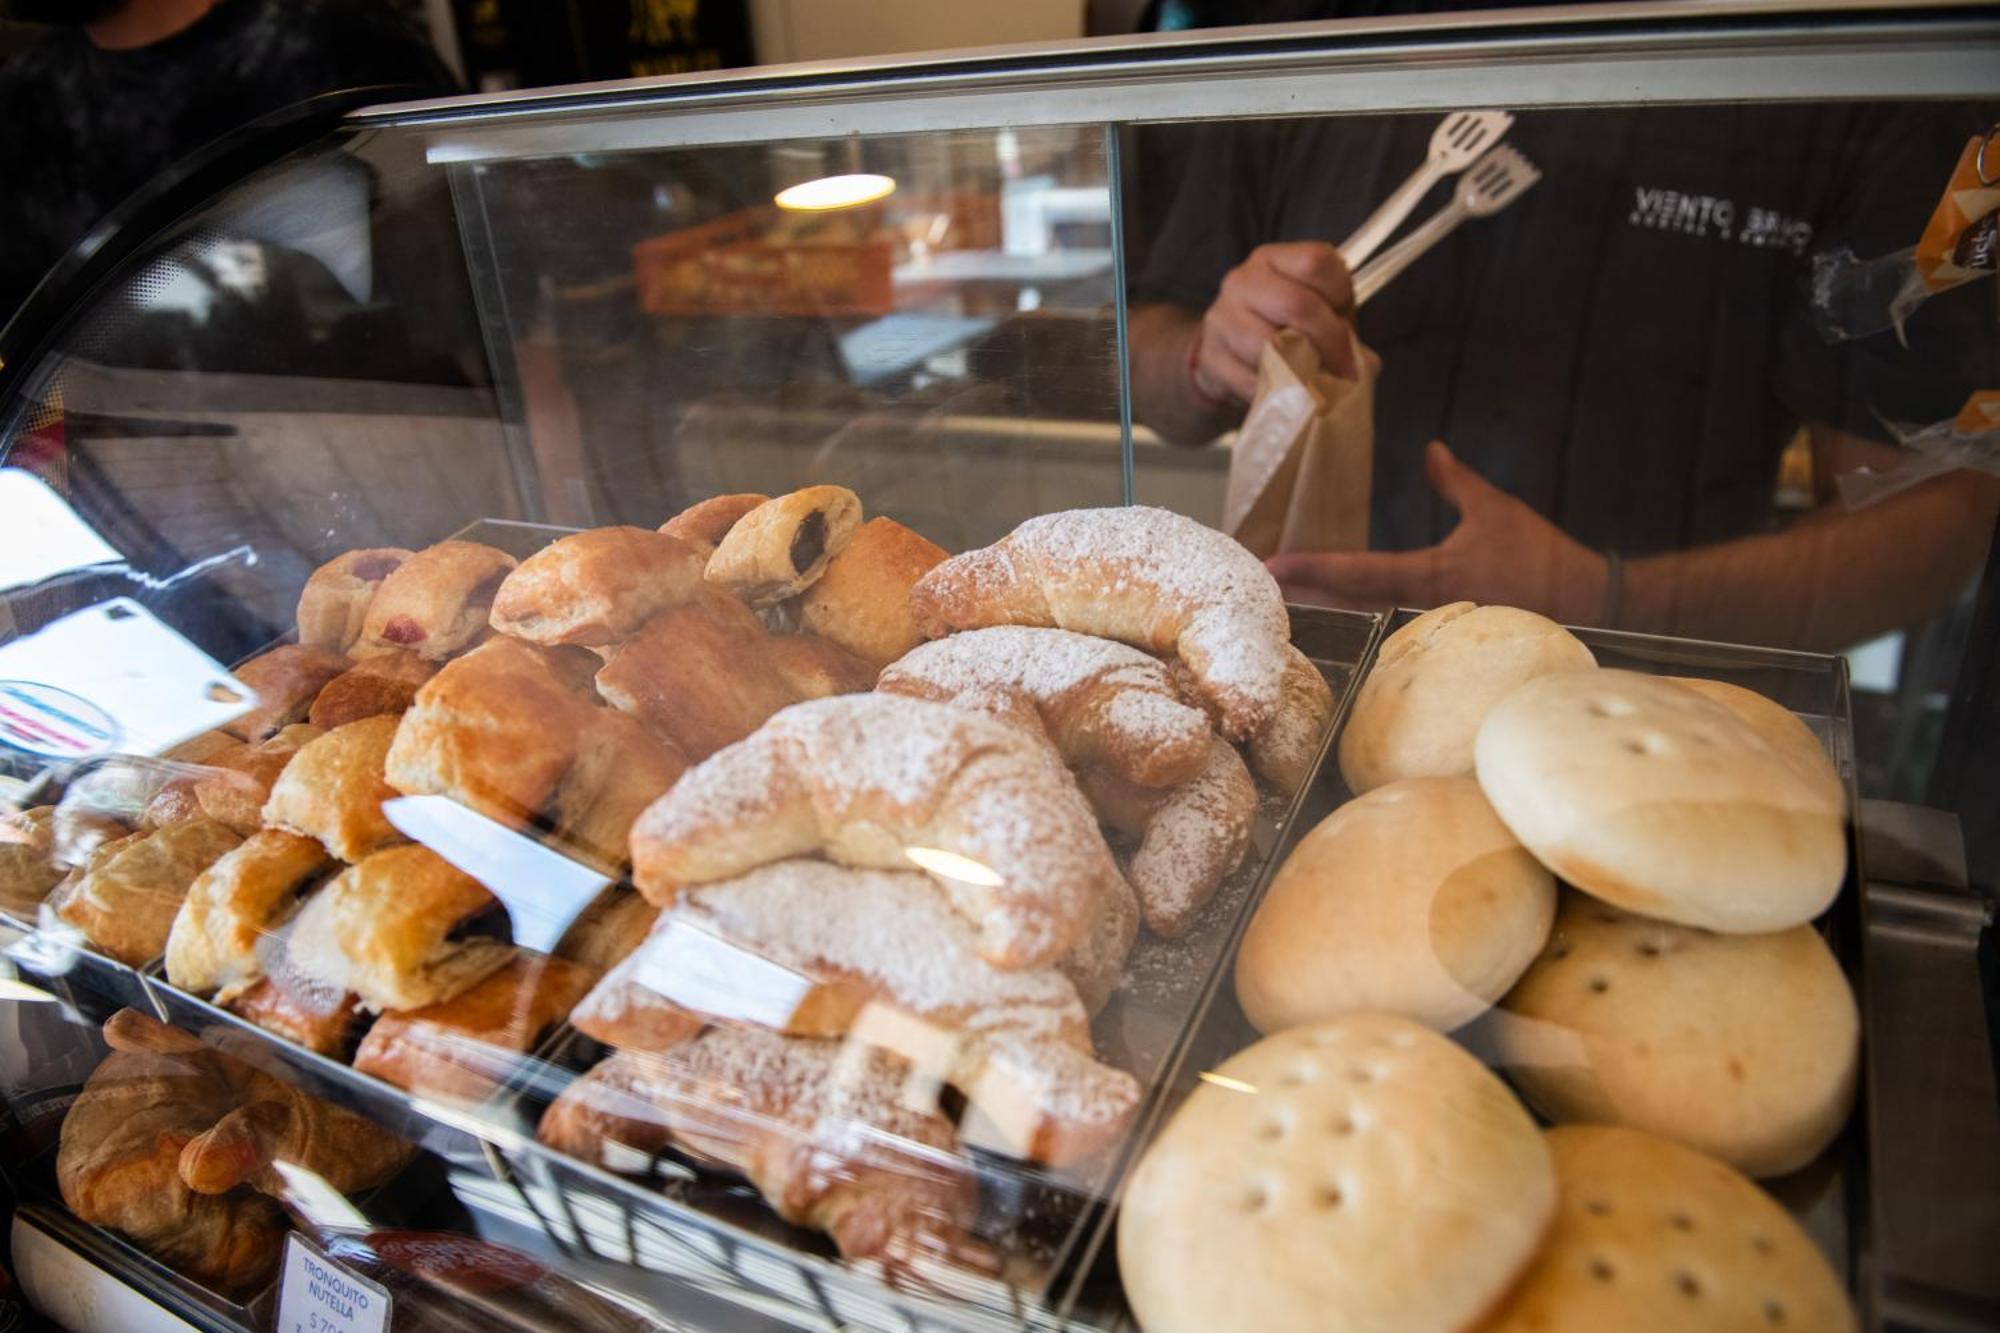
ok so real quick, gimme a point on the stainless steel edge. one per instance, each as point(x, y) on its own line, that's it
point(1326, 68)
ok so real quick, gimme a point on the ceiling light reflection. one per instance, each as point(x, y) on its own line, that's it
point(1224, 1081)
point(830, 192)
point(952, 866)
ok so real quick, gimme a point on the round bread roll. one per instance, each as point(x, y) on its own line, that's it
point(1649, 795)
point(1434, 680)
point(1364, 1174)
point(1651, 1235)
point(1744, 1046)
point(1781, 727)
point(1412, 900)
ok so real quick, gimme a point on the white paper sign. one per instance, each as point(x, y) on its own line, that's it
point(319, 1296)
point(45, 537)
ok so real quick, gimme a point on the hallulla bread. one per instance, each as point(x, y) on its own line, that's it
point(879, 780)
point(1413, 899)
point(781, 547)
point(1649, 795)
point(815, 949)
point(333, 606)
point(436, 602)
point(1434, 679)
point(1744, 1046)
point(1652, 1235)
point(1350, 1177)
point(830, 1137)
point(1099, 702)
point(704, 525)
point(1145, 576)
point(862, 602)
point(1191, 837)
point(596, 587)
point(1778, 725)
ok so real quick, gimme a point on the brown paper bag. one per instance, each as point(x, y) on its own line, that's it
point(1304, 461)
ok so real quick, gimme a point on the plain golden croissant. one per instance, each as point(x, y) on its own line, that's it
point(1148, 577)
point(884, 781)
point(1100, 702)
point(118, 1166)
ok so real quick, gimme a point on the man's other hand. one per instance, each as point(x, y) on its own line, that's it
point(1302, 285)
point(1502, 551)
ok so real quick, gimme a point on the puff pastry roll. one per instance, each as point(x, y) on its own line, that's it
point(862, 601)
point(496, 730)
point(620, 769)
point(468, 1046)
point(1148, 577)
point(28, 868)
point(864, 779)
point(704, 525)
point(816, 668)
point(247, 893)
point(334, 788)
point(285, 681)
point(385, 683)
point(435, 603)
point(232, 785)
point(333, 606)
point(828, 1137)
point(700, 674)
point(402, 929)
point(125, 897)
point(596, 587)
point(612, 926)
point(781, 547)
point(319, 1018)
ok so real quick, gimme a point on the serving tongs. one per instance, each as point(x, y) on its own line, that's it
point(1495, 181)
point(1456, 144)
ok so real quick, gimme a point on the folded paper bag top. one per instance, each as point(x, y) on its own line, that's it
point(1303, 464)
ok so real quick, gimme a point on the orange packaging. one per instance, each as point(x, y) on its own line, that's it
point(1963, 238)
point(1980, 414)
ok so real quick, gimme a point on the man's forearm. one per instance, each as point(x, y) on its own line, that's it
point(1163, 396)
point(1828, 582)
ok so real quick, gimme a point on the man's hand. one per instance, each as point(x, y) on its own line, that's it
point(1301, 285)
point(1501, 551)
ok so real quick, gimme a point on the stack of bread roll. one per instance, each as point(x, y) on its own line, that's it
point(1607, 880)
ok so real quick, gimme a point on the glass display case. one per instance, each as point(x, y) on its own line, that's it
point(661, 704)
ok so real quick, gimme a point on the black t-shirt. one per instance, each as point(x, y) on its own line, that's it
point(1628, 346)
point(82, 128)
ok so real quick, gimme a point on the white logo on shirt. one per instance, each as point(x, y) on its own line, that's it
point(1707, 215)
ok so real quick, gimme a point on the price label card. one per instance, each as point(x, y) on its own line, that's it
point(317, 1295)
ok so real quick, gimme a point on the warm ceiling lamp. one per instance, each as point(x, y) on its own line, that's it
point(829, 192)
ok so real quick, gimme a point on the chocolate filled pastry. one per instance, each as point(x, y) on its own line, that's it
point(249, 891)
point(125, 897)
point(322, 1019)
point(334, 788)
point(1148, 577)
point(704, 525)
point(814, 949)
point(495, 731)
point(118, 1166)
point(596, 587)
point(827, 1136)
point(620, 769)
point(232, 785)
point(285, 681)
point(1191, 837)
point(28, 868)
point(333, 606)
point(402, 929)
point(384, 683)
point(867, 778)
point(466, 1047)
point(612, 926)
point(436, 603)
point(780, 548)
point(1097, 701)
point(700, 674)
point(862, 602)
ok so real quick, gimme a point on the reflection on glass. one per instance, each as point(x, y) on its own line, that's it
point(542, 889)
point(828, 192)
point(953, 866)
